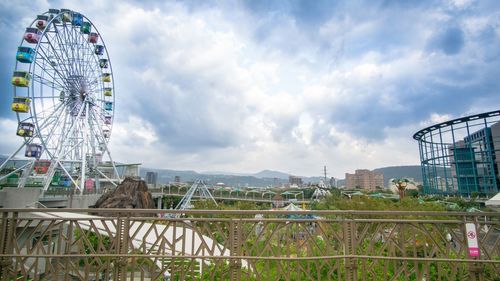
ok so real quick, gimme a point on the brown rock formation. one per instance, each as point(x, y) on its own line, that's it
point(130, 194)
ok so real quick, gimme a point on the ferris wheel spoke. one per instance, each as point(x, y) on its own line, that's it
point(66, 50)
point(99, 113)
point(93, 80)
point(91, 62)
point(80, 50)
point(46, 121)
point(73, 54)
point(70, 142)
point(58, 56)
point(101, 116)
point(93, 86)
point(63, 129)
point(87, 61)
point(66, 150)
point(51, 61)
point(52, 124)
point(65, 44)
point(48, 113)
point(91, 68)
point(98, 132)
point(46, 97)
point(47, 82)
point(76, 47)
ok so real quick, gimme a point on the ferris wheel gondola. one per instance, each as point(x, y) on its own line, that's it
point(64, 95)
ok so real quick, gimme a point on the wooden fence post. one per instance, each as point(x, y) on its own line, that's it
point(122, 235)
point(350, 263)
point(235, 247)
point(7, 229)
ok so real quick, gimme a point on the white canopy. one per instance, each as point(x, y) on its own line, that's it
point(292, 207)
point(494, 201)
point(185, 240)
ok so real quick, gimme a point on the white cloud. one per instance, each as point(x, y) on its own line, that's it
point(216, 87)
point(10, 142)
point(461, 4)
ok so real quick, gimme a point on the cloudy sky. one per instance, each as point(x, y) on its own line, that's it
point(242, 86)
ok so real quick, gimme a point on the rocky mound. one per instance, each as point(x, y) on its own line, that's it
point(130, 194)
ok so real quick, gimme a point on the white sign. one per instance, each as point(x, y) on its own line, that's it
point(470, 231)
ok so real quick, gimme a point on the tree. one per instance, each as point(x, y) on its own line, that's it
point(412, 193)
point(401, 185)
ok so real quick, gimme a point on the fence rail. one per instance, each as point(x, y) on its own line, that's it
point(118, 244)
point(177, 191)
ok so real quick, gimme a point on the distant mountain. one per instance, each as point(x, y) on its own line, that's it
point(262, 174)
point(271, 174)
point(271, 178)
point(224, 173)
point(414, 172)
point(260, 179)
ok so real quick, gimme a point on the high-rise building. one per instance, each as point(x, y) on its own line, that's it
point(474, 163)
point(364, 179)
point(151, 177)
point(295, 181)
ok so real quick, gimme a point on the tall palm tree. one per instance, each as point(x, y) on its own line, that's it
point(401, 184)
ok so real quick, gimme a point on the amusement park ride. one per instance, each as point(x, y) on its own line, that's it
point(63, 97)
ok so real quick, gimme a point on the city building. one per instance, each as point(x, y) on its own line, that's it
point(295, 181)
point(364, 179)
point(474, 163)
point(333, 182)
point(151, 177)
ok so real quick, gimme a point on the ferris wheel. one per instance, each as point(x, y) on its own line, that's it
point(64, 99)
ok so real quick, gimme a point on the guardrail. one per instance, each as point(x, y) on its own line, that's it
point(53, 244)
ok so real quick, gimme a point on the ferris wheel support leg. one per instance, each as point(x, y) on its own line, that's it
point(83, 168)
point(112, 162)
point(26, 174)
point(59, 152)
point(68, 174)
point(106, 177)
point(15, 171)
point(50, 174)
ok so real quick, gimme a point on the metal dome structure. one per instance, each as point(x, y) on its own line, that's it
point(461, 156)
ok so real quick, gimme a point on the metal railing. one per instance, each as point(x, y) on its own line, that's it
point(242, 195)
point(179, 192)
point(118, 244)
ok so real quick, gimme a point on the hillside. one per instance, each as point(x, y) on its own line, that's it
point(271, 174)
point(260, 179)
point(165, 176)
point(414, 172)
